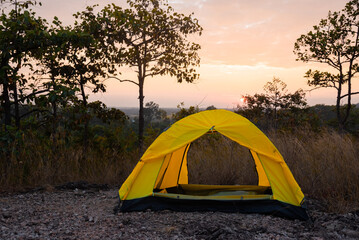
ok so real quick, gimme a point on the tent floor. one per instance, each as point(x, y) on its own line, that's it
point(216, 192)
point(224, 198)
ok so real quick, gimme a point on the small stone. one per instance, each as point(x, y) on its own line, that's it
point(350, 233)
point(3, 228)
point(6, 215)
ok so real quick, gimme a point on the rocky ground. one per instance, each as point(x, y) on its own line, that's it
point(75, 212)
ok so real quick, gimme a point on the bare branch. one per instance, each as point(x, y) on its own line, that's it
point(43, 78)
point(313, 89)
point(124, 80)
point(32, 111)
point(331, 63)
point(31, 95)
point(345, 95)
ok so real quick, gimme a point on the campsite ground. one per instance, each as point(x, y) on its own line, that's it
point(86, 212)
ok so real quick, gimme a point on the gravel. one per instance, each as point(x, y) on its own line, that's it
point(88, 213)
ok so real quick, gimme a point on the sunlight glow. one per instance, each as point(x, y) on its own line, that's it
point(244, 45)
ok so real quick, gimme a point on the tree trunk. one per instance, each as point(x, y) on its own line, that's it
point(16, 103)
point(7, 118)
point(347, 112)
point(141, 120)
point(84, 103)
point(349, 105)
point(339, 93)
point(275, 117)
point(6, 103)
point(54, 113)
point(339, 116)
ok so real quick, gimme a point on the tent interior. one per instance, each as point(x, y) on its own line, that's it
point(211, 167)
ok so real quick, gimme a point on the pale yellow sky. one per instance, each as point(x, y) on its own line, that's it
point(245, 44)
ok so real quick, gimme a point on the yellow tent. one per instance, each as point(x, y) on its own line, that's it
point(160, 179)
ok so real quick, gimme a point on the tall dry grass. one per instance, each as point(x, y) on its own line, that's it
point(37, 164)
point(215, 159)
point(325, 164)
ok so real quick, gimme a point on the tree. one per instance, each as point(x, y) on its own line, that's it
point(212, 107)
point(335, 42)
point(273, 105)
point(152, 112)
point(86, 59)
point(21, 33)
point(155, 44)
point(184, 112)
point(52, 65)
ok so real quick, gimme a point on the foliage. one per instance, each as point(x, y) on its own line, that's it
point(25, 4)
point(212, 107)
point(64, 60)
point(89, 55)
point(327, 117)
point(335, 42)
point(155, 43)
point(184, 112)
point(152, 112)
point(21, 34)
point(36, 161)
point(276, 107)
point(105, 114)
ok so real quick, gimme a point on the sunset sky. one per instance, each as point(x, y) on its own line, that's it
point(245, 44)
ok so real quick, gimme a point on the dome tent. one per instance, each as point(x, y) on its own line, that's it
point(160, 179)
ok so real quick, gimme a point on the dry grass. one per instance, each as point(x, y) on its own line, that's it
point(36, 164)
point(325, 164)
point(215, 159)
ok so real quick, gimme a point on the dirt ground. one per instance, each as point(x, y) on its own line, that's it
point(87, 213)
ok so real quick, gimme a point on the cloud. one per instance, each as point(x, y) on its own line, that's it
point(247, 32)
point(254, 24)
point(236, 32)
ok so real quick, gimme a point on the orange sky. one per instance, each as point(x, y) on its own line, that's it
point(245, 43)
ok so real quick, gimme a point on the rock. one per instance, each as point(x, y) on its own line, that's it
point(331, 226)
point(6, 215)
point(65, 215)
point(3, 228)
point(351, 233)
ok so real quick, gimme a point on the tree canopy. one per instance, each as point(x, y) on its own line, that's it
point(152, 39)
point(21, 34)
point(63, 62)
point(335, 42)
point(277, 106)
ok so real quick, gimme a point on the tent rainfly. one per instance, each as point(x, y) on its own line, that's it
point(160, 179)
